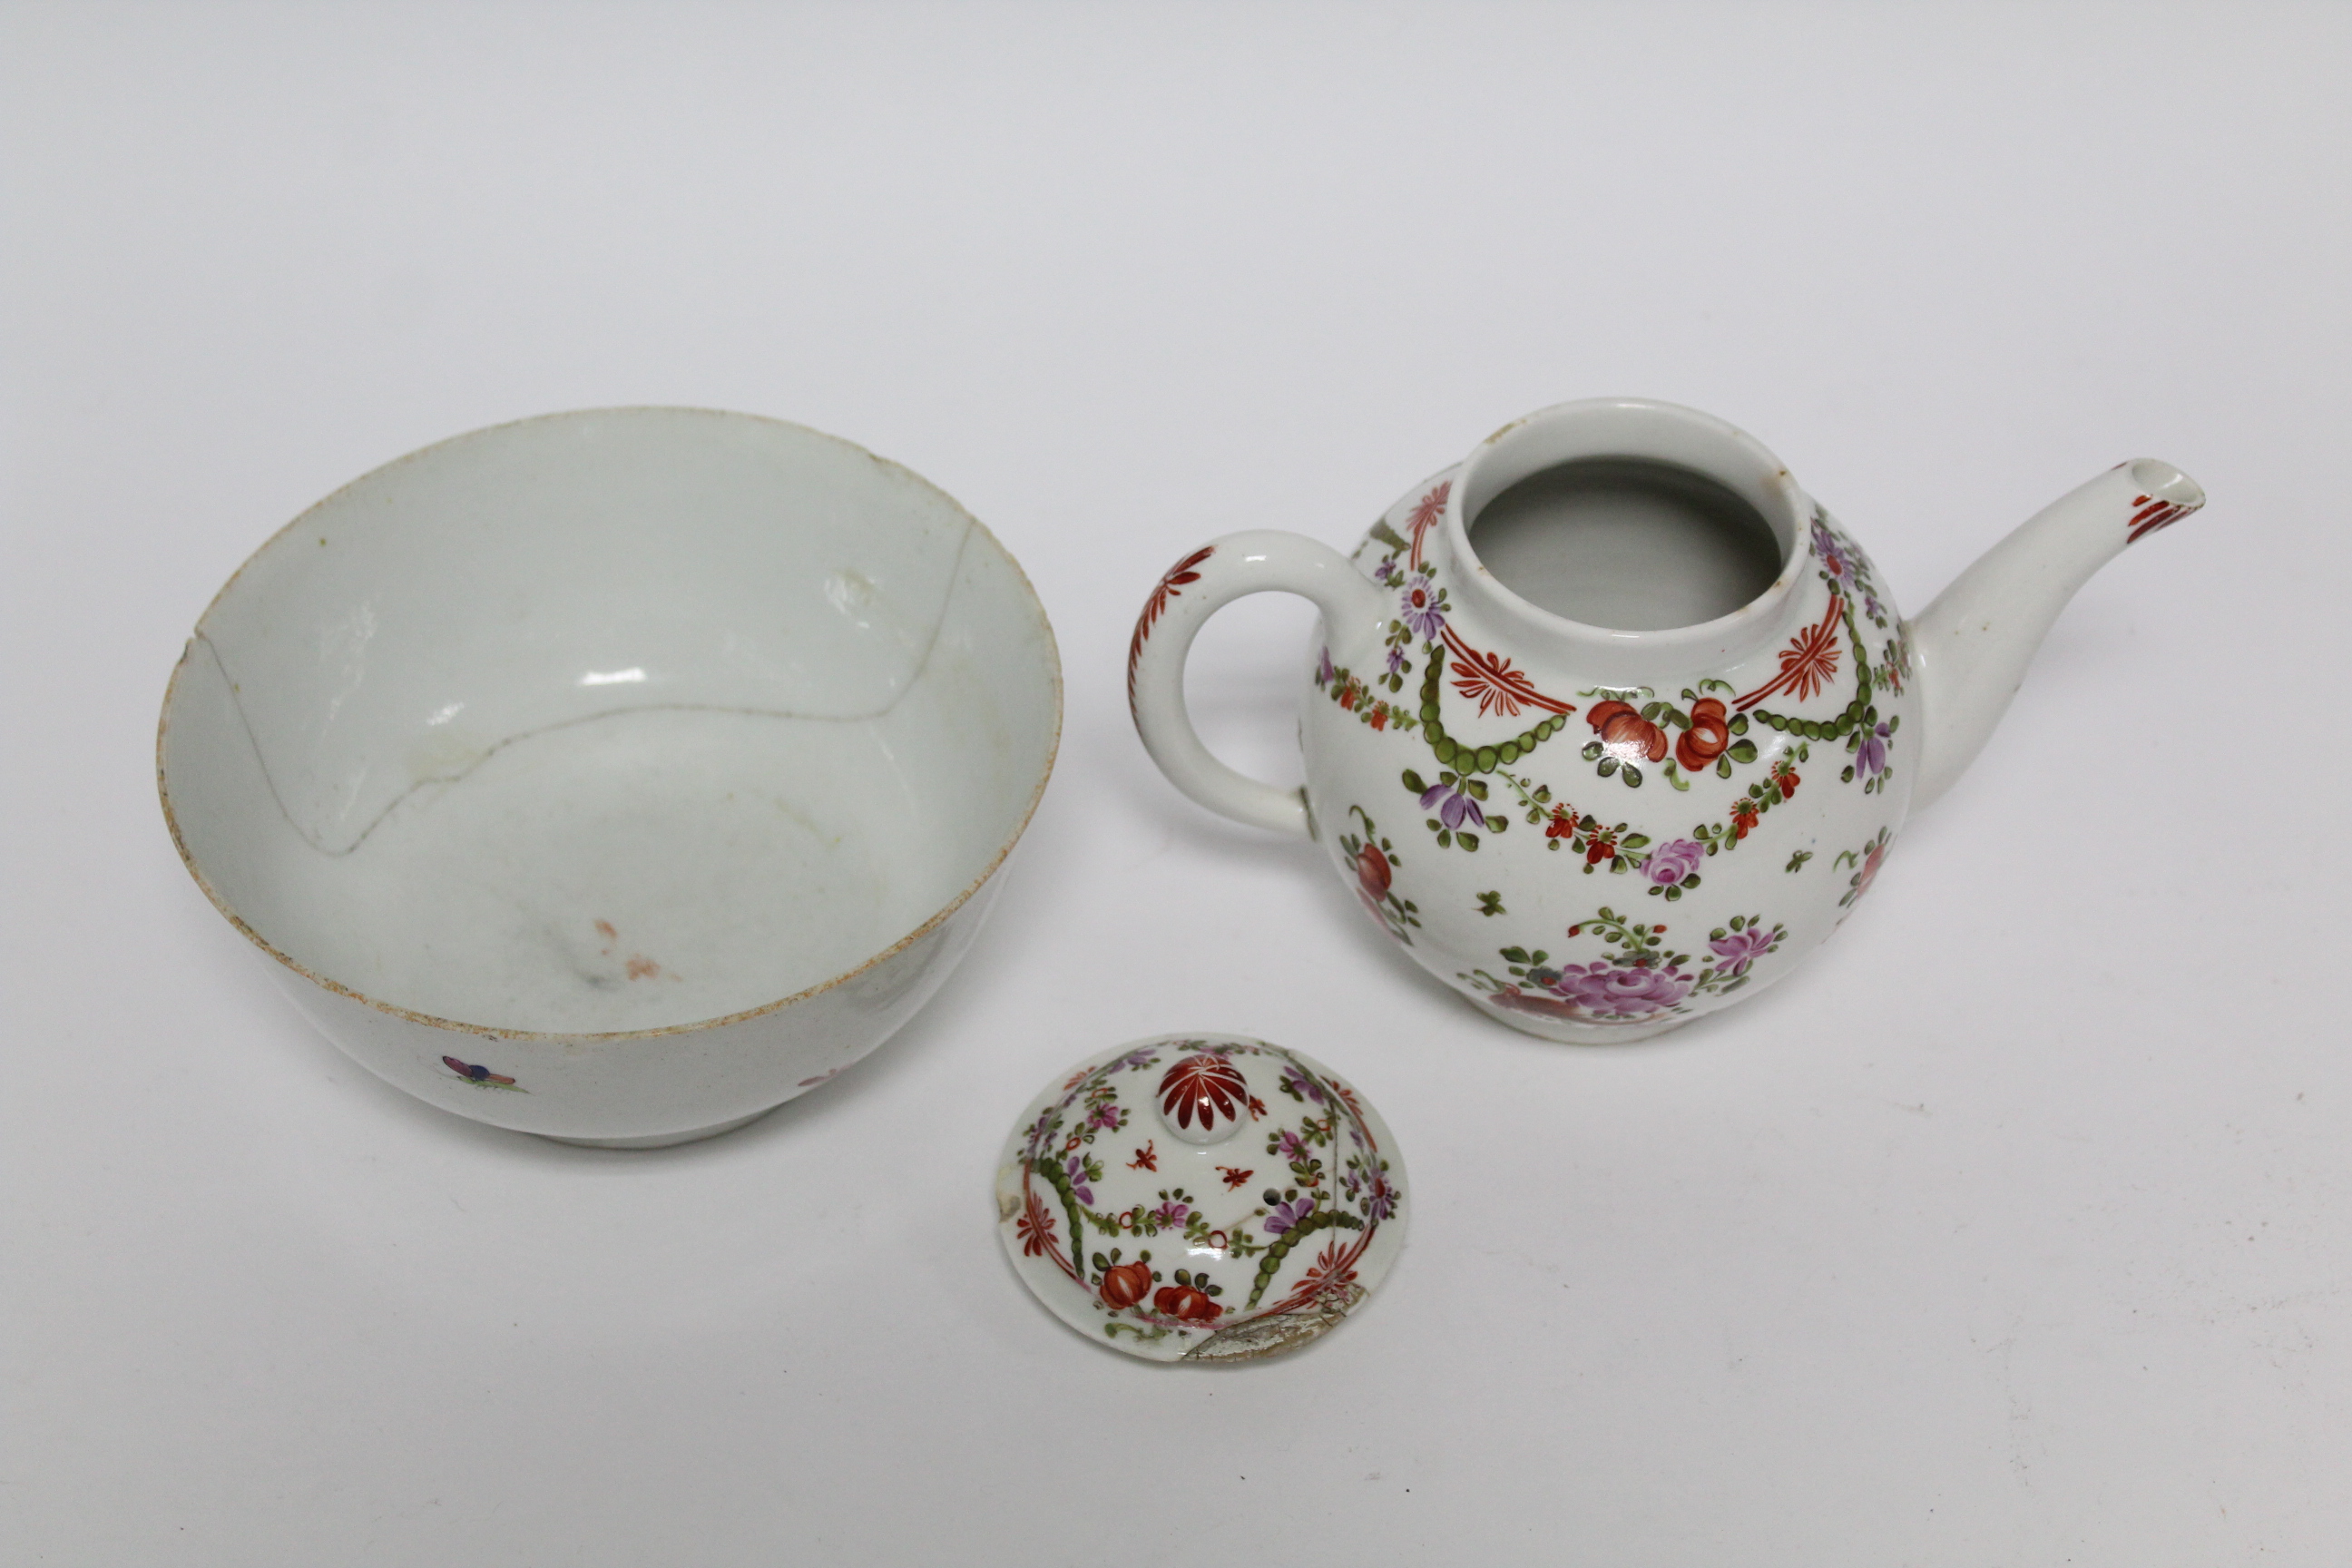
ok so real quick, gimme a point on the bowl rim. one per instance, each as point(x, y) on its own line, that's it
point(614, 1037)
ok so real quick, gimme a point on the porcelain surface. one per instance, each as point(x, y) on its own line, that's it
point(616, 775)
point(1598, 834)
point(1201, 1197)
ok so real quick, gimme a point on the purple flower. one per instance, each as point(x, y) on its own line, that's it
point(1037, 1132)
point(1670, 862)
point(1298, 1083)
point(1626, 990)
point(1873, 608)
point(1396, 662)
point(1172, 1213)
point(1870, 760)
point(1106, 1115)
point(1421, 611)
point(1381, 1201)
point(1326, 671)
point(1833, 553)
point(1457, 807)
point(1285, 1215)
point(1077, 1171)
point(1738, 949)
point(1387, 571)
point(1290, 1145)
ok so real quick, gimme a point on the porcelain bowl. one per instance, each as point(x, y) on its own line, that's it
point(614, 776)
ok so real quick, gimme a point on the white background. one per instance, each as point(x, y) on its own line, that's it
point(2016, 1228)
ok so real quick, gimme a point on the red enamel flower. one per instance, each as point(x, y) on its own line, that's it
point(1185, 1304)
point(1709, 736)
point(1125, 1284)
point(1625, 734)
point(1203, 1088)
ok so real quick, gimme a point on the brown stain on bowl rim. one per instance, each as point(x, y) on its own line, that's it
point(618, 1036)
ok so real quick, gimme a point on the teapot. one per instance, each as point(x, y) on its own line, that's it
point(1608, 724)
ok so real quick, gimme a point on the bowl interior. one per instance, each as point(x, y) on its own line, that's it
point(610, 722)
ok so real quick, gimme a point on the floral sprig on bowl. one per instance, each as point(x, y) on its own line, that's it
point(481, 1076)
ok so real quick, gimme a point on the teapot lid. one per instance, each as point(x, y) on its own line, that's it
point(1201, 1197)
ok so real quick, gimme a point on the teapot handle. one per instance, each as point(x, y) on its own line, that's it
point(1255, 561)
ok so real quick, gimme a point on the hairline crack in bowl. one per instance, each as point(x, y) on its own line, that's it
point(613, 776)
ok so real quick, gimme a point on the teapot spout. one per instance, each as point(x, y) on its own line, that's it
point(1971, 647)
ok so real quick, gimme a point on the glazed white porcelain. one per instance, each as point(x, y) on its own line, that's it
point(614, 776)
point(1598, 829)
point(1200, 1198)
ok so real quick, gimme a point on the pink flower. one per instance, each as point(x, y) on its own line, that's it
point(1738, 949)
point(1674, 860)
point(1623, 990)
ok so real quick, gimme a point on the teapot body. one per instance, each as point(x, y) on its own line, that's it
point(1595, 831)
point(1601, 836)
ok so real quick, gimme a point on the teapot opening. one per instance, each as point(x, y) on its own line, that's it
point(1627, 544)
